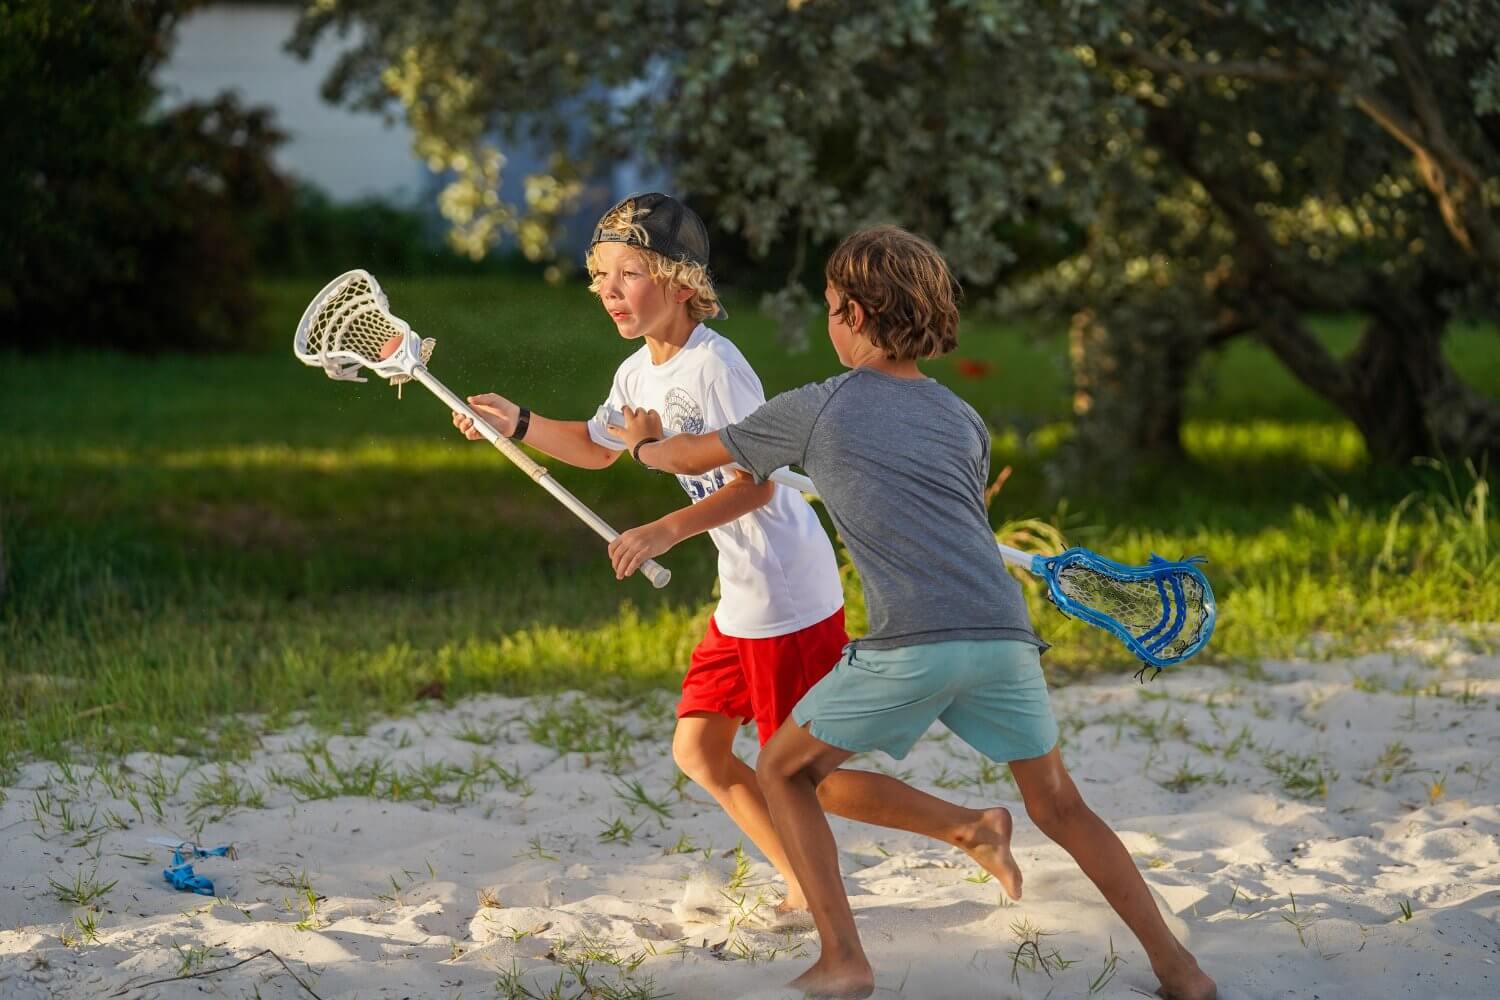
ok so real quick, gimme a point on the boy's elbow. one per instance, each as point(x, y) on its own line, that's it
point(706, 454)
point(754, 495)
point(763, 492)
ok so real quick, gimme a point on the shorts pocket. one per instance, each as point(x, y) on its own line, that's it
point(897, 663)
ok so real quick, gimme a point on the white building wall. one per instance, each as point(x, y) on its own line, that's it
point(241, 47)
point(348, 154)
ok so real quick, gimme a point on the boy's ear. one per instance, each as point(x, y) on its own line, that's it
point(682, 294)
point(856, 316)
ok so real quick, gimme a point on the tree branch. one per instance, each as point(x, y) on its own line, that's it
point(1231, 324)
point(1256, 70)
point(1425, 105)
point(1178, 140)
point(1449, 176)
point(1296, 347)
point(215, 971)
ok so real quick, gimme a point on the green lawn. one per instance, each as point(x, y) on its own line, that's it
point(190, 537)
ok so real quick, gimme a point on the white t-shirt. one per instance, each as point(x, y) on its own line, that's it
point(777, 572)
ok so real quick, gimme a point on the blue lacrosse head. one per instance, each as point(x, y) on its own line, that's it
point(1163, 611)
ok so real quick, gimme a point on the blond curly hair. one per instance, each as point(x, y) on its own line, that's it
point(663, 270)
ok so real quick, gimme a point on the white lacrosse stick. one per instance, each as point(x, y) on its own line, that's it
point(1164, 612)
point(348, 326)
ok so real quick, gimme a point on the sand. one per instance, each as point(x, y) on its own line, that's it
point(1314, 829)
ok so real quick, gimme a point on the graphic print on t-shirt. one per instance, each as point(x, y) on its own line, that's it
point(681, 414)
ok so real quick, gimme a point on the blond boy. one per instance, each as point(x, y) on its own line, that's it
point(779, 624)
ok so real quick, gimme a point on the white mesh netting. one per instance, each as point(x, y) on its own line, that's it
point(353, 320)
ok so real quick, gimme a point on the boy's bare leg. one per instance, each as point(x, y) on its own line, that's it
point(878, 799)
point(789, 770)
point(1054, 805)
point(703, 747)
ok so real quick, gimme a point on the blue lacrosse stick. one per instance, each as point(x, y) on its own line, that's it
point(1164, 611)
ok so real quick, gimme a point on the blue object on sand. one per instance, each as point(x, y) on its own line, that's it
point(181, 876)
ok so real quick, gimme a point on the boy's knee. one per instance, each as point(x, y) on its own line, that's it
point(836, 789)
point(772, 767)
point(692, 760)
point(1055, 811)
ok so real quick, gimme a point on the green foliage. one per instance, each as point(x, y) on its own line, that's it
point(1166, 176)
point(320, 238)
point(317, 238)
point(121, 225)
point(788, 123)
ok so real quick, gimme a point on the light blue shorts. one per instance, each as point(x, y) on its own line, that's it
point(988, 691)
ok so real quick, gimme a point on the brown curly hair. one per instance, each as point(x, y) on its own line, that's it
point(909, 296)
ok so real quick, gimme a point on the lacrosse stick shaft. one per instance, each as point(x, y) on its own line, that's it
point(802, 484)
point(658, 574)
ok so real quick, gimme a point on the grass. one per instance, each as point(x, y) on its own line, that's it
point(1031, 954)
point(187, 538)
point(84, 890)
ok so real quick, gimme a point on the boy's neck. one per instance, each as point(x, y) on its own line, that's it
point(867, 355)
point(665, 346)
point(896, 369)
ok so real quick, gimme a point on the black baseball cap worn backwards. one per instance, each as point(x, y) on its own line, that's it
point(670, 228)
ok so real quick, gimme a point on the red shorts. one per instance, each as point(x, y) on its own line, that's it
point(760, 679)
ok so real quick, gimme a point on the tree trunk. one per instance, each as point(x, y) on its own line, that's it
point(1407, 400)
point(1396, 386)
point(1128, 390)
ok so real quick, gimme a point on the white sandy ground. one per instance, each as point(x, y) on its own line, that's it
point(1282, 889)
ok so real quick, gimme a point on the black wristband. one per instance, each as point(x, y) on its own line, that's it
point(635, 452)
point(523, 421)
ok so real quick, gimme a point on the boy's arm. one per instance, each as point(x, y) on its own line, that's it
point(736, 499)
point(687, 454)
point(565, 440)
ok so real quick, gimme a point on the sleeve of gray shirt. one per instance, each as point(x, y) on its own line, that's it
point(776, 435)
point(984, 443)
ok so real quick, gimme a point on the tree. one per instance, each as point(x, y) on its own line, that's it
point(120, 225)
point(795, 121)
point(1165, 176)
point(1337, 157)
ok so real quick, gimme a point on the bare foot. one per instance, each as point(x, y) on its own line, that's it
point(987, 841)
point(850, 978)
point(788, 915)
point(1185, 981)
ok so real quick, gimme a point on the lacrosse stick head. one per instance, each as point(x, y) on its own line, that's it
point(348, 326)
point(1163, 611)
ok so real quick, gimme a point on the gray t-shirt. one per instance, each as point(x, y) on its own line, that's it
point(901, 465)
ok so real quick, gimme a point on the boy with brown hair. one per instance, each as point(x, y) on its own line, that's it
point(901, 464)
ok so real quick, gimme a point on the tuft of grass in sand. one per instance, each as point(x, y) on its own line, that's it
point(1032, 954)
point(84, 890)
